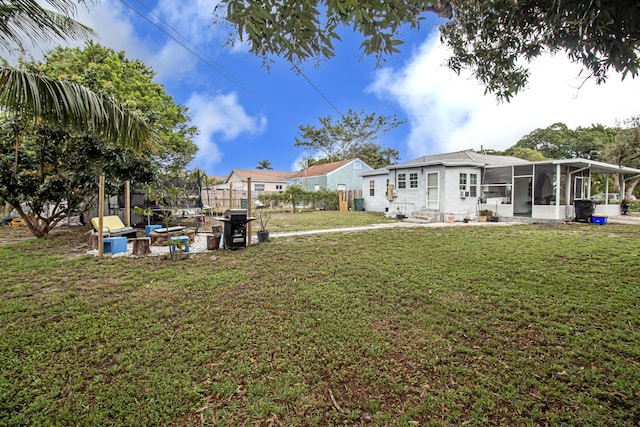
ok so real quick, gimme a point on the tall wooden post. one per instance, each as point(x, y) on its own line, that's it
point(127, 204)
point(231, 195)
point(249, 211)
point(100, 215)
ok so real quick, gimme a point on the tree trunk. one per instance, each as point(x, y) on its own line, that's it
point(213, 242)
point(32, 221)
point(141, 246)
point(631, 185)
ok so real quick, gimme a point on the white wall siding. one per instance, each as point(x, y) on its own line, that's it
point(378, 202)
point(466, 207)
point(407, 200)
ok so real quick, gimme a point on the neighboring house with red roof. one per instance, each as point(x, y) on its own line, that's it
point(341, 175)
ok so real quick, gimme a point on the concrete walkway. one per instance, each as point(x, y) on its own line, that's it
point(617, 219)
point(633, 219)
point(399, 224)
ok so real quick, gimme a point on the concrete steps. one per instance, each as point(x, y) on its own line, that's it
point(425, 217)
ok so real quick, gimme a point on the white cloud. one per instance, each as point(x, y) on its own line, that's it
point(220, 118)
point(448, 112)
point(191, 19)
point(108, 21)
point(111, 21)
point(176, 22)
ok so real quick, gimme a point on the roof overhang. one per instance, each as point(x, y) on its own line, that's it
point(444, 163)
point(593, 166)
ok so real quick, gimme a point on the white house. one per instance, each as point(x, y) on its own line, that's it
point(462, 183)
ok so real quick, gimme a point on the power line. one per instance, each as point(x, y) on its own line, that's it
point(299, 71)
point(207, 60)
point(204, 58)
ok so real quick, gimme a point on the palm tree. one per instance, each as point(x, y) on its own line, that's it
point(264, 164)
point(71, 106)
point(62, 103)
point(22, 20)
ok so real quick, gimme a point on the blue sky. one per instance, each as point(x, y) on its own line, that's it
point(247, 114)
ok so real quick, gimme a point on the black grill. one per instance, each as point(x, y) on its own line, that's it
point(235, 228)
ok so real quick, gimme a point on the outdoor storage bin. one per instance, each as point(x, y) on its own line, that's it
point(114, 245)
point(584, 209)
point(358, 205)
point(599, 219)
point(149, 228)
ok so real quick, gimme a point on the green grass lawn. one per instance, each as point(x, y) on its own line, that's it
point(316, 220)
point(518, 325)
point(310, 220)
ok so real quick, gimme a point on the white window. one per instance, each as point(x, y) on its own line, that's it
point(316, 187)
point(402, 180)
point(259, 187)
point(473, 185)
point(372, 188)
point(357, 165)
point(278, 186)
point(413, 180)
point(463, 182)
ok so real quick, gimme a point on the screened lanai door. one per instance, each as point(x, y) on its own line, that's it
point(433, 191)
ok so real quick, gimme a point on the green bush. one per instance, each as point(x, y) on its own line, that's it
point(296, 197)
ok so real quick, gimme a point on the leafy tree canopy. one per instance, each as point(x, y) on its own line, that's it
point(352, 135)
point(526, 154)
point(618, 145)
point(625, 149)
point(130, 82)
point(492, 38)
point(54, 169)
point(64, 104)
point(46, 172)
point(559, 142)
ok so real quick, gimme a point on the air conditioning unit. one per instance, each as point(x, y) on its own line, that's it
point(395, 193)
point(464, 194)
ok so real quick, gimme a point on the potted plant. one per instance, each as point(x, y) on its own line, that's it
point(484, 214)
point(625, 204)
point(263, 216)
point(178, 247)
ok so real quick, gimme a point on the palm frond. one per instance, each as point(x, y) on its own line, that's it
point(72, 106)
point(22, 20)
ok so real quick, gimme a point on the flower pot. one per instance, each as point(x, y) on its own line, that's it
point(625, 208)
point(263, 236)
